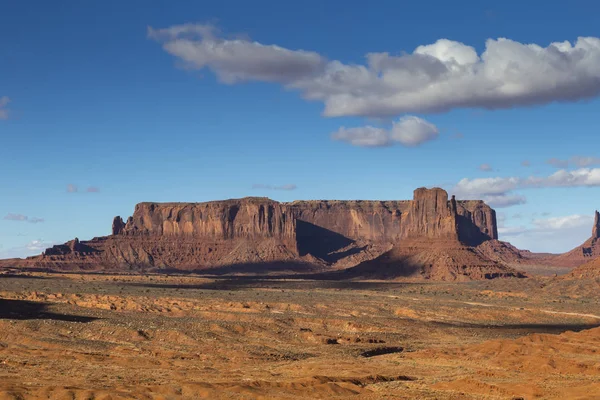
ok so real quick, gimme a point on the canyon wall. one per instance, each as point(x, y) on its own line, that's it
point(228, 219)
point(429, 215)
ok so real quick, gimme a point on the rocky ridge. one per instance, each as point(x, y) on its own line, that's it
point(259, 235)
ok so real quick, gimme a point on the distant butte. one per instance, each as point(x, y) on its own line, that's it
point(430, 236)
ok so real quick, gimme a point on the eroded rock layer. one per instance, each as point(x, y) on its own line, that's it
point(301, 236)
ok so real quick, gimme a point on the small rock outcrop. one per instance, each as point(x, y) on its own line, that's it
point(117, 225)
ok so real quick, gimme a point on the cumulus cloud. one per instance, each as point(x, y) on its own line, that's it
point(576, 161)
point(498, 191)
point(556, 234)
point(433, 78)
point(486, 168)
point(503, 200)
point(199, 46)
point(289, 186)
point(4, 100)
point(363, 136)
point(23, 218)
point(409, 131)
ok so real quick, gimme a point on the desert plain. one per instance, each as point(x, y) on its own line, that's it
point(156, 336)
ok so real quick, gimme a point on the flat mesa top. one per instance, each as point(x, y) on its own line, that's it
point(258, 200)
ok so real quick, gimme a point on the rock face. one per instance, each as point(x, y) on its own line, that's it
point(429, 215)
point(230, 219)
point(596, 227)
point(117, 225)
point(306, 235)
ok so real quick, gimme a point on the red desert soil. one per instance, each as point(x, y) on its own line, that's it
point(78, 336)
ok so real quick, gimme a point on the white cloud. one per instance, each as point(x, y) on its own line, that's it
point(486, 168)
point(363, 136)
point(498, 191)
point(4, 100)
point(409, 131)
point(433, 78)
point(31, 248)
point(553, 235)
point(289, 186)
point(564, 178)
point(569, 221)
point(413, 131)
point(236, 60)
point(486, 186)
point(577, 161)
point(15, 217)
point(508, 231)
point(37, 245)
point(22, 218)
point(503, 200)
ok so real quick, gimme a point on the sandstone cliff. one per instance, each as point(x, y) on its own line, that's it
point(300, 236)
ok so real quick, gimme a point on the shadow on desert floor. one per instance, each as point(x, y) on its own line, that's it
point(242, 283)
point(556, 328)
point(30, 310)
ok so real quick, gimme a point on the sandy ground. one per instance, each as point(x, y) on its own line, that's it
point(97, 337)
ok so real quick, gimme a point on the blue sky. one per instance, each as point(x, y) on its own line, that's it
point(203, 106)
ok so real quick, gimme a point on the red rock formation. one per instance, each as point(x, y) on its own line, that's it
point(431, 216)
point(118, 225)
point(260, 230)
point(229, 219)
point(428, 215)
point(476, 214)
point(596, 227)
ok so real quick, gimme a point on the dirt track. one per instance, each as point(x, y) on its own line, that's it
point(159, 337)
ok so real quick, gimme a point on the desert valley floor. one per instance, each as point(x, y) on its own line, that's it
point(92, 336)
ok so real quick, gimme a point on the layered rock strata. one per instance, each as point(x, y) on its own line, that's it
point(301, 235)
